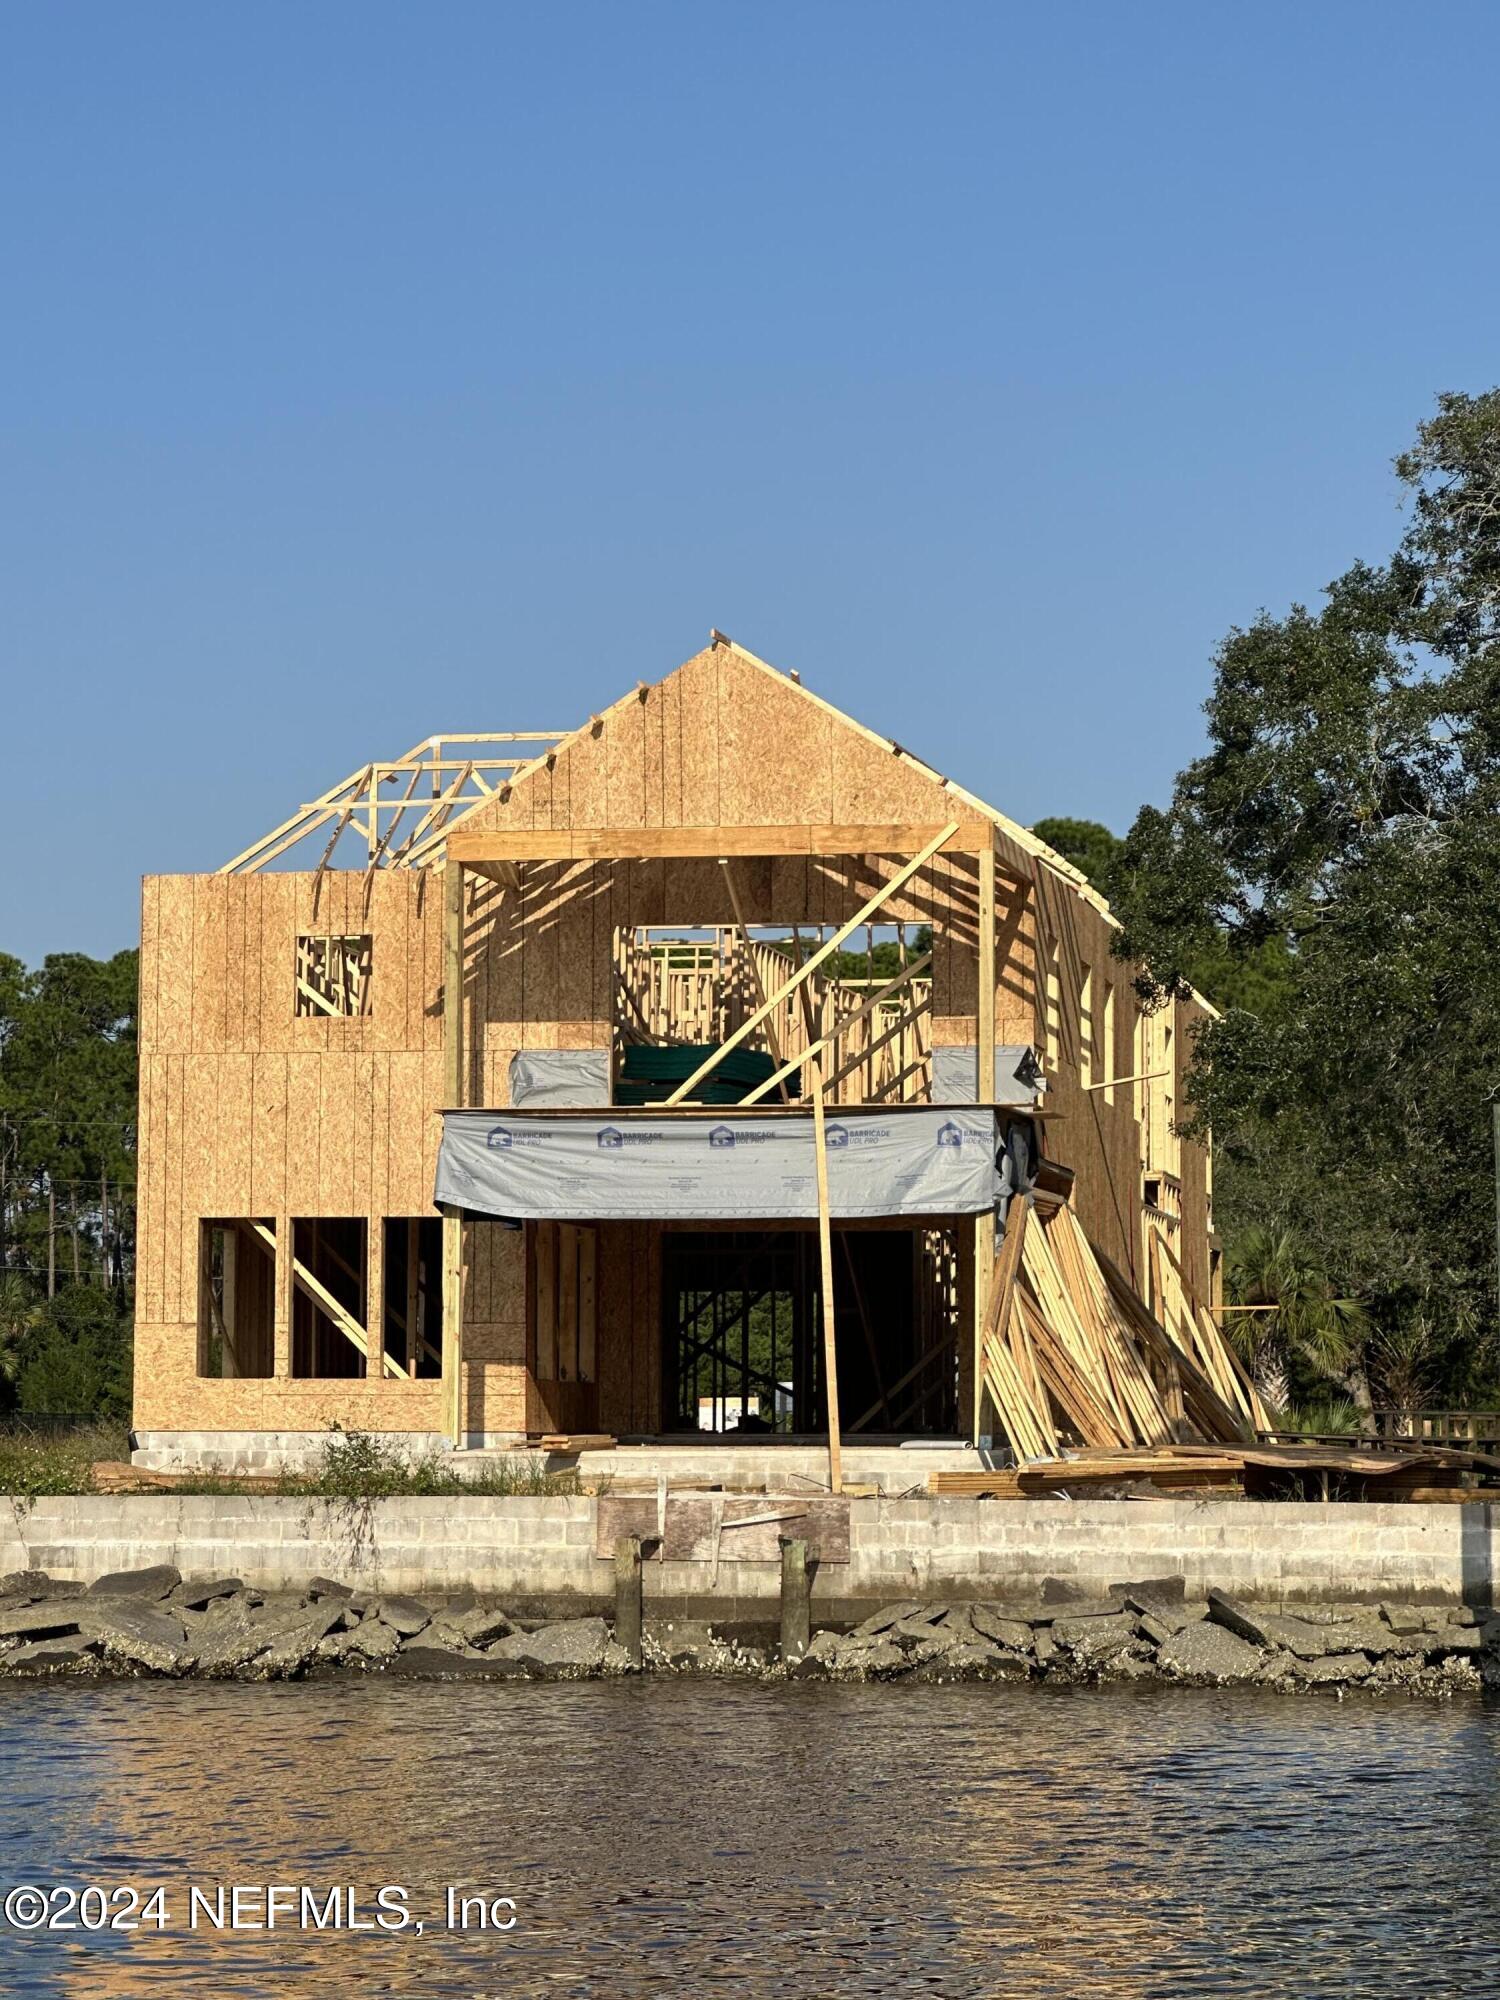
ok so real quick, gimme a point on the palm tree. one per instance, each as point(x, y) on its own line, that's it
point(1303, 1321)
point(19, 1313)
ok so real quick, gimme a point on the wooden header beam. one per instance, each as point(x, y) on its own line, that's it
point(711, 843)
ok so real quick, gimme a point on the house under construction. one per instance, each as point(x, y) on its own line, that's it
point(666, 1081)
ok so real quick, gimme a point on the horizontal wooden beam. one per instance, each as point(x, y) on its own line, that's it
point(707, 843)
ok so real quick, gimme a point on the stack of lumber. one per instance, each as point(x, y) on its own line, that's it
point(1072, 1355)
point(1358, 1471)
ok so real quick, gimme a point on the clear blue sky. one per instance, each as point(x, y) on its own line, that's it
point(370, 370)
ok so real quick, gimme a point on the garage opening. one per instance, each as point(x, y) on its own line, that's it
point(742, 1332)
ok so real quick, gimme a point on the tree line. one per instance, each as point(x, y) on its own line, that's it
point(67, 1183)
point(1328, 873)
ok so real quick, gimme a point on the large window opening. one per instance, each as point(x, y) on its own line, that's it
point(413, 1306)
point(237, 1298)
point(742, 1332)
point(329, 1303)
point(867, 1010)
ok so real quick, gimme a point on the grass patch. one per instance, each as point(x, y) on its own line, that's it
point(42, 1461)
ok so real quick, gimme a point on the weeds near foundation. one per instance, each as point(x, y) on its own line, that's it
point(354, 1465)
point(35, 1463)
point(357, 1466)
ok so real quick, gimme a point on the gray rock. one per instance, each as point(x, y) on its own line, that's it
point(970, 1662)
point(1157, 1630)
point(51, 1655)
point(1160, 1594)
point(1466, 1614)
point(371, 1640)
point(432, 1663)
point(1165, 1614)
point(326, 1586)
point(1489, 1635)
point(197, 1596)
point(575, 1645)
point(34, 1586)
point(921, 1631)
point(1209, 1652)
point(882, 1621)
point(160, 1580)
point(481, 1625)
point(333, 1647)
point(1044, 1645)
point(40, 1620)
point(1275, 1667)
point(1094, 1638)
point(1331, 1667)
point(444, 1637)
point(294, 1644)
point(405, 1615)
point(1242, 1619)
point(144, 1635)
point(877, 1660)
point(1468, 1639)
point(991, 1623)
point(1403, 1617)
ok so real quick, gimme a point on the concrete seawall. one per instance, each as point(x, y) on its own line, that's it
point(542, 1551)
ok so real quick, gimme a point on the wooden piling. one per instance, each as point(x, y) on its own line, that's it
point(628, 1597)
point(796, 1600)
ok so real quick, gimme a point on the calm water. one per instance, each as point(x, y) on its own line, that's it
point(689, 1837)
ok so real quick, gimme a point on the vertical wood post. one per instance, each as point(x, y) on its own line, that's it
point(825, 1247)
point(628, 1597)
point(453, 1086)
point(984, 1225)
point(453, 1307)
point(796, 1601)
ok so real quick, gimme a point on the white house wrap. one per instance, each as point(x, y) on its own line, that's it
point(890, 1161)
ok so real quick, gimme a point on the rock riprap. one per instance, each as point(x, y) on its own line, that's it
point(155, 1622)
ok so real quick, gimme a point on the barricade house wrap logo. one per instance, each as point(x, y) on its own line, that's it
point(836, 1135)
point(500, 1137)
point(726, 1136)
point(611, 1137)
point(949, 1134)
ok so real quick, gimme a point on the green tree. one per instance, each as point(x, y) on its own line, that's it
point(67, 1097)
point(1253, 973)
point(75, 1358)
point(19, 1316)
point(1297, 1328)
point(1348, 810)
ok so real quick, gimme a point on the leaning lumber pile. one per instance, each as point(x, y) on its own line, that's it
point(1072, 1355)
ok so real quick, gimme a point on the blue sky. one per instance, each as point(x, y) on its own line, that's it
point(367, 371)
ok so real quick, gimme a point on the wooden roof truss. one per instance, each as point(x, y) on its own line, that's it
point(397, 814)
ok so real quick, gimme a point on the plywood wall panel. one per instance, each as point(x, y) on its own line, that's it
point(776, 751)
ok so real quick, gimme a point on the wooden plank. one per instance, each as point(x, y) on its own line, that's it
point(453, 982)
point(567, 1302)
point(825, 1249)
point(544, 1248)
point(588, 1310)
point(749, 1526)
point(713, 843)
point(453, 1323)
